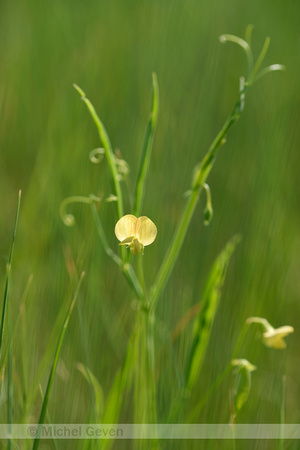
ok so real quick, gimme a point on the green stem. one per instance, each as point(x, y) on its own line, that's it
point(108, 150)
point(174, 249)
point(145, 385)
point(102, 236)
point(142, 280)
point(126, 267)
point(132, 280)
point(150, 321)
point(201, 174)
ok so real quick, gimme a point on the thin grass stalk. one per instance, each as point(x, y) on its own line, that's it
point(44, 364)
point(10, 387)
point(24, 363)
point(282, 413)
point(6, 310)
point(103, 238)
point(48, 419)
point(55, 361)
point(6, 288)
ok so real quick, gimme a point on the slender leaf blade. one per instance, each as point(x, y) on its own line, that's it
point(204, 322)
point(121, 384)
point(147, 149)
point(8, 272)
point(54, 364)
point(97, 388)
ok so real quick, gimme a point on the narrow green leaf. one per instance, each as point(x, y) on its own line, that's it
point(6, 311)
point(121, 384)
point(205, 319)
point(97, 388)
point(6, 288)
point(146, 151)
point(248, 34)
point(48, 419)
point(54, 364)
point(260, 58)
point(44, 364)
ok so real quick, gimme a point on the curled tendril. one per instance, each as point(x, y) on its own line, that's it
point(245, 46)
point(111, 198)
point(121, 165)
point(272, 68)
point(122, 168)
point(97, 155)
point(69, 219)
point(253, 69)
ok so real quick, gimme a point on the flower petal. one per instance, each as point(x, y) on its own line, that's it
point(136, 247)
point(146, 231)
point(126, 227)
point(127, 241)
point(274, 341)
point(284, 331)
point(275, 337)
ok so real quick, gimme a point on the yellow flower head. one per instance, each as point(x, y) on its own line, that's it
point(135, 233)
point(274, 337)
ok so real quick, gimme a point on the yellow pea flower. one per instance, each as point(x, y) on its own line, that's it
point(135, 233)
point(272, 337)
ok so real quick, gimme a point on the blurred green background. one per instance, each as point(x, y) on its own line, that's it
point(110, 49)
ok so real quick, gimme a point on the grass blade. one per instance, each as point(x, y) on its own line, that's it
point(6, 310)
point(48, 419)
point(97, 388)
point(204, 321)
point(120, 386)
point(147, 147)
point(55, 361)
point(8, 273)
